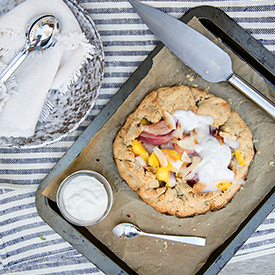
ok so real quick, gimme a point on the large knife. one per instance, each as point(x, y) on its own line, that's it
point(198, 52)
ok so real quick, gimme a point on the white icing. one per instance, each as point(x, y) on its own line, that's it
point(215, 161)
point(216, 158)
point(189, 120)
point(202, 131)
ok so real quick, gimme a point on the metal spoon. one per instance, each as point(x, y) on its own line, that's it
point(40, 34)
point(128, 231)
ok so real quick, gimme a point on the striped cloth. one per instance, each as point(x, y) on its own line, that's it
point(27, 244)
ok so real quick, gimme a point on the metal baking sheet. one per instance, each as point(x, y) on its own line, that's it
point(246, 47)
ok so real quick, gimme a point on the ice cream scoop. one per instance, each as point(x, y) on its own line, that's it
point(40, 34)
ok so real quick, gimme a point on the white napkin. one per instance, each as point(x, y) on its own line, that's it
point(23, 95)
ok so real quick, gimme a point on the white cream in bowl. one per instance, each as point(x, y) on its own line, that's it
point(84, 198)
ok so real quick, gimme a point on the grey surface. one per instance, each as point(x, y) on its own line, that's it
point(264, 265)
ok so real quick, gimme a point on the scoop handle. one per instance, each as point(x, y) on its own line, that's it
point(14, 64)
point(182, 239)
point(254, 95)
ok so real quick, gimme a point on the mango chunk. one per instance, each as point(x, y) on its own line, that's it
point(173, 158)
point(174, 154)
point(239, 157)
point(139, 150)
point(224, 185)
point(153, 160)
point(162, 174)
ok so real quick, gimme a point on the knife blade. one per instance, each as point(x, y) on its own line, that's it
point(198, 52)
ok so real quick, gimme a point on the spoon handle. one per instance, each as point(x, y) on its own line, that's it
point(10, 69)
point(254, 95)
point(182, 239)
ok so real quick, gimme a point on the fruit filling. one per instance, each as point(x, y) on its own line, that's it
point(185, 147)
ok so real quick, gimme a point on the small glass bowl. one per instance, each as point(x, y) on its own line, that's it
point(66, 182)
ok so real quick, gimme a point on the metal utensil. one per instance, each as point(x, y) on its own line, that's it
point(40, 34)
point(129, 231)
point(198, 52)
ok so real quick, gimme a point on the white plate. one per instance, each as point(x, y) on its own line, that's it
point(69, 110)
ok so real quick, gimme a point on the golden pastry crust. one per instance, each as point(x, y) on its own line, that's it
point(182, 200)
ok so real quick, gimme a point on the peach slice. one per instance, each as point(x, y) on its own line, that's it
point(169, 119)
point(188, 171)
point(157, 129)
point(185, 157)
point(198, 187)
point(161, 157)
point(187, 144)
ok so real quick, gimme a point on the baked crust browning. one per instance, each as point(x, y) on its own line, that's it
point(182, 200)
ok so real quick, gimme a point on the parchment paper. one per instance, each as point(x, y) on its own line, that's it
point(153, 256)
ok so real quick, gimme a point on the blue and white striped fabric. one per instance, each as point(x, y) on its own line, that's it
point(27, 244)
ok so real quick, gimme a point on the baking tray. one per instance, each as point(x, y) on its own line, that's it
point(243, 45)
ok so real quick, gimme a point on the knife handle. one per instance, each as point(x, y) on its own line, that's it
point(254, 95)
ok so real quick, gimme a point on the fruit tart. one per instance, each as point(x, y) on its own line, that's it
point(184, 151)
